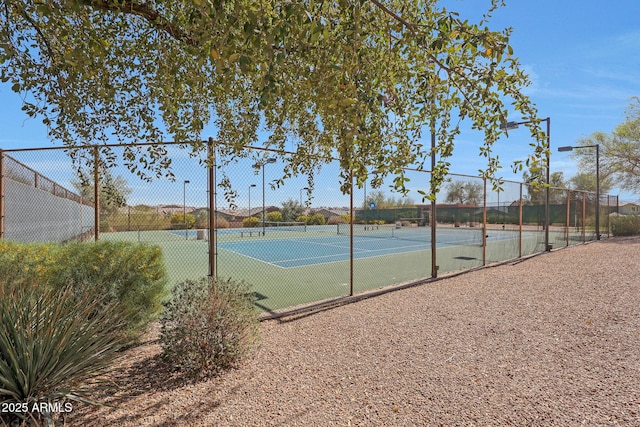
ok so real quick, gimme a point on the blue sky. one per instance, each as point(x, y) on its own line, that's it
point(583, 58)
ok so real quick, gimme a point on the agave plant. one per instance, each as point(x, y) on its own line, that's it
point(52, 344)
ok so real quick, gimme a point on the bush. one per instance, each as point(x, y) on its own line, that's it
point(131, 276)
point(105, 226)
point(202, 219)
point(333, 220)
point(178, 220)
point(52, 343)
point(250, 222)
point(625, 225)
point(304, 218)
point(274, 216)
point(221, 223)
point(317, 219)
point(207, 326)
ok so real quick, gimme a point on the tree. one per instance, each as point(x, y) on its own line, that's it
point(383, 201)
point(275, 216)
point(357, 80)
point(619, 154)
point(586, 181)
point(180, 220)
point(537, 193)
point(291, 209)
point(464, 192)
point(113, 191)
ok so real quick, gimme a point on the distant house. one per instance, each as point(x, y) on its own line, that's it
point(331, 213)
point(628, 208)
point(240, 214)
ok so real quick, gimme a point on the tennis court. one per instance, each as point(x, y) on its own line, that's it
point(288, 267)
point(327, 244)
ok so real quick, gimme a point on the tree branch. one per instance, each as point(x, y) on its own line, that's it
point(37, 29)
point(151, 15)
point(450, 71)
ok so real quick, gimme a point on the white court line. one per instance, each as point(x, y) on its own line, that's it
point(360, 251)
point(253, 258)
point(418, 245)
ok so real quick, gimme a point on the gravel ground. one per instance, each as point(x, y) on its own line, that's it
point(553, 340)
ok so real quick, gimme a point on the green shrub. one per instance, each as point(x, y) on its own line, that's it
point(625, 225)
point(26, 259)
point(250, 222)
point(304, 218)
point(346, 218)
point(52, 343)
point(333, 220)
point(317, 219)
point(202, 219)
point(131, 275)
point(207, 326)
point(274, 216)
point(178, 220)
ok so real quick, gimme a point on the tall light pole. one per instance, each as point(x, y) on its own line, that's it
point(184, 208)
point(514, 125)
point(301, 190)
point(257, 166)
point(251, 186)
point(597, 147)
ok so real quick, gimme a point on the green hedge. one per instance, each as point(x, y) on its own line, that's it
point(625, 225)
point(131, 275)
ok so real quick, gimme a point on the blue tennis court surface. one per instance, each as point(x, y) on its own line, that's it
point(299, 252)
point(305, 251)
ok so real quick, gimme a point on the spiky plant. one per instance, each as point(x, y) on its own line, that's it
point(52, 344)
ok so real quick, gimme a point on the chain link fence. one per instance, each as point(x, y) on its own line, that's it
point(295, 241)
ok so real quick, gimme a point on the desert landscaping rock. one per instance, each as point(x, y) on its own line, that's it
point(553, 340)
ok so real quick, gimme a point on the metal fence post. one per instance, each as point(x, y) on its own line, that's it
point(484, 222)
point(434, 265)
point(568, 224)
point(584, 216)
point(520, 223)
point(1, 194)
point(96, 194)
point(351, 234)
point(211, 165)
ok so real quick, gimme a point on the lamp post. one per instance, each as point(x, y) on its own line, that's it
point(514, 125)
point(259, 165)
point(597, 147)
point(184, 208)
point(301, 190)
point(250, 187)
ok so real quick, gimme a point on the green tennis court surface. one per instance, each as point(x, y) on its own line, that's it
point(291, 267)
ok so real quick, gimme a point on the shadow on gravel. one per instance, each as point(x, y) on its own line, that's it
point(623, 240)
point(147, 376)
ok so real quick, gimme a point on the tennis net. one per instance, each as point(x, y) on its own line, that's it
point(460, 236)
point(283, 225)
